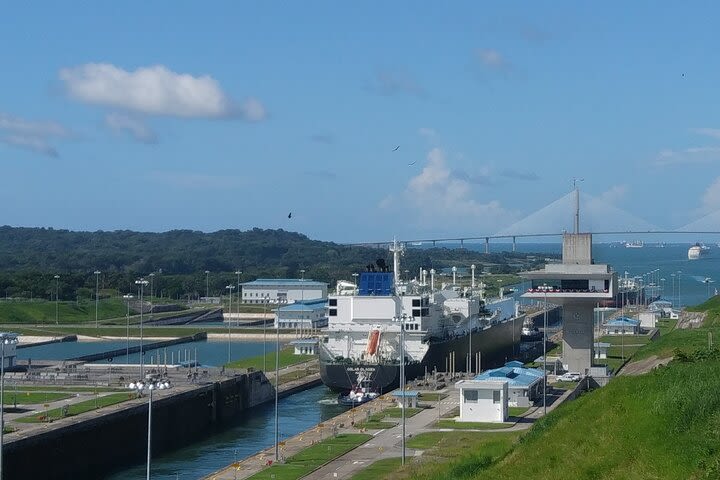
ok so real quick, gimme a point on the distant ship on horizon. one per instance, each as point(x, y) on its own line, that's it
point(635, 244)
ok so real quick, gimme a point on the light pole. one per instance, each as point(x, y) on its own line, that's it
point(127, 298)
point(238, 273)
point(267, 299)
point(141, 282)
point(150, 386)
point(97, 283)
point(679, 272)
point(673, 288)
point(152, 290)
point(302, 299)
point(230, 288)
point(707, 282)
point(544, 288)
point(355, 276)
point(207, 285)
point(277, 387)
point(57, 289)
point(5, 339)
point(662, 287)
point(401, 319)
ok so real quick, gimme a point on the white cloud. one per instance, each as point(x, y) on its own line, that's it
point(614, 194)
point(493, 60)
point(155, 90)
point(436, 193)
point(710, 132)
point(31, 135)
point(120, 123)
point(688, 156)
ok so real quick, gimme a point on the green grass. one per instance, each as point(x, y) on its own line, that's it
point(431, 397)
point(53, 388)
point(296, 374)
point(685, 339)
point(517, 411)
point(712, 309)
point(78, 408)
point(378, 469)
point(287, 358)
point(471, 425)
point(663, 425)
point(312, 457)
point(563, 385)
point(626, 339)
point(31, 398)
point(43, 311)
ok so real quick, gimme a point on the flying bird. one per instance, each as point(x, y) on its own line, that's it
point(413, 163)
point(290, 215)
point(396, 148)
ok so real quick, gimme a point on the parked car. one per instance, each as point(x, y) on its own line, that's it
point(570, 377)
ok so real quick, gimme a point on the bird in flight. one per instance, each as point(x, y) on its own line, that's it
point(396, 148)
point(290, 215)
point(412, 163)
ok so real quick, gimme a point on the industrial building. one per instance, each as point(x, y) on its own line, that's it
point(622, 326)
point(524, 385)
point(303, 315)
point(282, 290)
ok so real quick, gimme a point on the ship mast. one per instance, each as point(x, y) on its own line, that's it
point(397, 249)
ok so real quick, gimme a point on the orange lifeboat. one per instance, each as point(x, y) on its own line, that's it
point(373, 341)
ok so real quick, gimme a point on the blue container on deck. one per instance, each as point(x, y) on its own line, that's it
point(376, 283)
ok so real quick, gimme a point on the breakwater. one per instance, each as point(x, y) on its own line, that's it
point(93, 357)
point(93, 446)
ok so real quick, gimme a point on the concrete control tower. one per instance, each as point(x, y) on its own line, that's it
point(578, 285)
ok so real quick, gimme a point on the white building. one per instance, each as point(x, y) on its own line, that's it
point(483, 400)
point(601, 349)
point(305, 346)
point(648, 319)
point(282, 290)
point(303, 315)
point(10, 341)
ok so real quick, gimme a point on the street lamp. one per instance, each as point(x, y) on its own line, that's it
point(149, 386)
point(707, 282)
point(544, 288)
point(57, 289)
point(401, 319)
point(238, 273)
point(302, 274)
point(230, 288)
point(97, 283)
point(127, 298)
point(267, 299)
point(679, 272)
point(5, 339)
point(277, 385)
point(355, 276)
point(152, 290)
point(207, 285)
point(141, 282)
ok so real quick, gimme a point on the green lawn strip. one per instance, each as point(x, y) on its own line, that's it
point(11, 397)
point(396, 412)
point(313, 457)
point(60, 388)
point(448, 423)
point(42, 311)
point(430, 397)
point(563, 385)
point(378, 469)
point(517, 411)
point(688, 340)
point(626, 339)
point(287, 358)
point(455, 412)
point(78, 408)
point(296, 375)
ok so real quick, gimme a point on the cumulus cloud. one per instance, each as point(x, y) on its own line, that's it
point(394, 83)
point(120, 123)
point(493, 60)
point(437, 193)
point(614, 195)
point(481, 176)
point(155, 90)
point(34, 136)
point(688, 156)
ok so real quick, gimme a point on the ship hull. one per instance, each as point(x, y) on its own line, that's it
point(496, 344)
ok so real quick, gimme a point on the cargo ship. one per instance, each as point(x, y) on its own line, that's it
point(437, 327)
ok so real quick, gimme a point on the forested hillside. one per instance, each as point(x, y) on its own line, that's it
point(30, 257)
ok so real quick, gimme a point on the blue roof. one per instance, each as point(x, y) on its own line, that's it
point(305, 305)
point(283, 281)
point(623, 322)
point(516, 376)
point(406, 393)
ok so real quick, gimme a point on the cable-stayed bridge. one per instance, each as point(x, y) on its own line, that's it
point(599, 217)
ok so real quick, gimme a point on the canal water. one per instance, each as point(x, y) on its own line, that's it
point(244, 437)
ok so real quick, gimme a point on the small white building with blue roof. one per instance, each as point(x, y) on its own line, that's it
point(282, 290)
point(622, 326)
point(524, 384)
point(302, 315)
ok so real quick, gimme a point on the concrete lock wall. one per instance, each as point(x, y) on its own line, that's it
point(91, 448)
point(577, 337)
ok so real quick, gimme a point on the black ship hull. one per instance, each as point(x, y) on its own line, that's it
point(496, 344)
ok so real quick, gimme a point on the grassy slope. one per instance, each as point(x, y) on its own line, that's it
point(43, 312)
point(287, 358)
point(663, 425)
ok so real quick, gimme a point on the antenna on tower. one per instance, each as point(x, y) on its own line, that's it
point(575, 180)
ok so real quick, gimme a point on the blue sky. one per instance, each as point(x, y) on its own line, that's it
point(160, 115)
